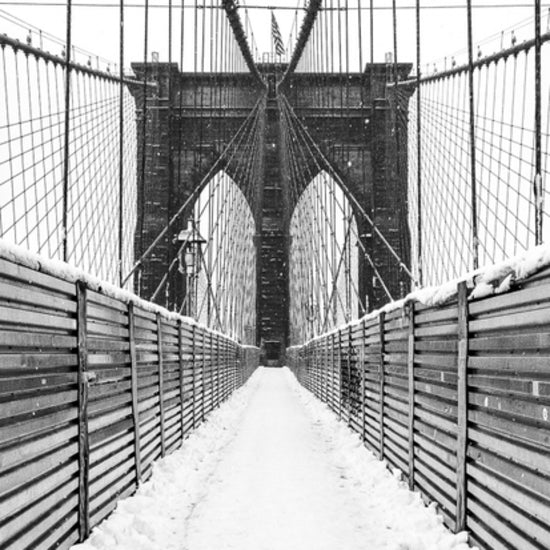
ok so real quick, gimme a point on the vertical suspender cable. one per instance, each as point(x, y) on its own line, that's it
point(195, 82)
point(223, 70)
point(418, 148)
point(360, 39)
point(362, 92)
point(371, 22)
point(326, 71)
point(170, 112)
point(340, 151)
point(218, 68)
point(396, 114)
point(395, 73)
point(143, 133)
point(538, 196)
point(347, 243)
point(170, 290)
point(371, 14)
point(202, 65)
point(212, 188)
point(68, 49)
point(475, 240)
point(180, 99)
point(121, 149)
point(332, 99)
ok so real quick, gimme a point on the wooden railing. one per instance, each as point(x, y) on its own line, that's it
point(92, 391)
point(457, 397)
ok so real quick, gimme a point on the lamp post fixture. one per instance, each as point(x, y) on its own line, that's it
point(312, 315)
point(190, 259)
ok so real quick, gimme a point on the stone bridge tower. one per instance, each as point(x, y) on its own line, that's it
point(186, 133)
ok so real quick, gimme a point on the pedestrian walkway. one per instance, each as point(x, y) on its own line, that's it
point(274, 487)
point(282, 474)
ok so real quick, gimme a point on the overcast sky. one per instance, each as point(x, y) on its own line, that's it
point(95, 25)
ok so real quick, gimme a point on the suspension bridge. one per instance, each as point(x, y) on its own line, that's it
point(341, 203)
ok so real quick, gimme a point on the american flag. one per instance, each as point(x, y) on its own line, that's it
point(276, 36)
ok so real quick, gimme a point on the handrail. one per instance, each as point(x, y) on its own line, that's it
point(477, 64)
point(48, 57)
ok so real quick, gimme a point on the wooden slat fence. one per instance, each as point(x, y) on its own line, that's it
point(93, 390)
point(457, 397)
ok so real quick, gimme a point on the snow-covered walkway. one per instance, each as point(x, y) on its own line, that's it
point(273, 469)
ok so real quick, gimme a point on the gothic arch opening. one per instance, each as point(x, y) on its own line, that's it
point(222, 273)
point(323, 270)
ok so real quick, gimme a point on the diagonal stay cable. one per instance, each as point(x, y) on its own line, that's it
point(231, 147)
point(336, 176)
point(252, 139)
point(296, 137)
point(297, 151)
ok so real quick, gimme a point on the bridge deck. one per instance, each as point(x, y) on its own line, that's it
point(277, 471)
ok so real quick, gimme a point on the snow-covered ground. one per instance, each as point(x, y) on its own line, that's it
point(273, 469)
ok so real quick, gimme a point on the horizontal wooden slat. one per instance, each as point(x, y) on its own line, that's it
point(25, 294)
point(28, 317)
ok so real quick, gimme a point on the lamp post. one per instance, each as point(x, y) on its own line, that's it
point(190, 260)
point(312, 315)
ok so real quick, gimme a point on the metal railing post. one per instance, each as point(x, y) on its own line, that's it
point(135, 397)
point(410, 372)
point(462, 408)
point(83, 435)
point(382, 382)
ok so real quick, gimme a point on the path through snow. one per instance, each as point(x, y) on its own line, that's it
point(273, 469)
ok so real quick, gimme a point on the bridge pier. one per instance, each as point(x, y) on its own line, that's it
point(187, 126)
point(273, 239)
point(190, 119)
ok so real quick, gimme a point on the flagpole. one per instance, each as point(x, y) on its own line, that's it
point(272, 39)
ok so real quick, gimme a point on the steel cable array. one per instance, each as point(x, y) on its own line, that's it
point(213, 45)
point(60, 161)
point(384, 180)
point(469, 143)
point(508, 203)
point(338, 94)
point(71, 174)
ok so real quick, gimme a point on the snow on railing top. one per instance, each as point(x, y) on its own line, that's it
point(71, 274)
point(486, 281)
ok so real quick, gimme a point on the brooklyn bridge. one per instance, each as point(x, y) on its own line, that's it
point(274, 277)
